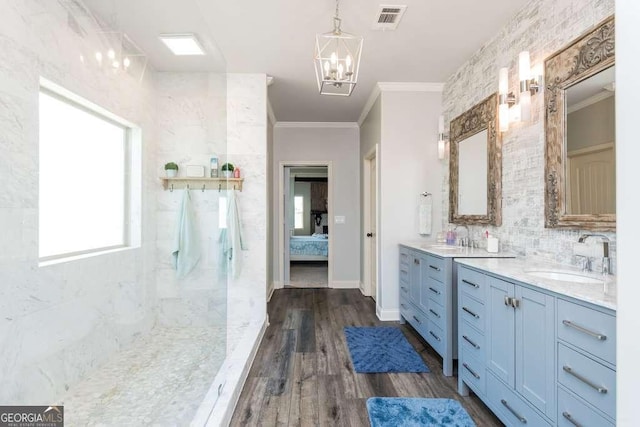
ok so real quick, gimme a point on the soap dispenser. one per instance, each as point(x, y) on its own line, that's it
point(451, 237)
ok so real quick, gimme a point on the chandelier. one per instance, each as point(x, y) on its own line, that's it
point(337, 59)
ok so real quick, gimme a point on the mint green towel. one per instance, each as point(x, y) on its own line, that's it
point(231, 239)
point(186, 247)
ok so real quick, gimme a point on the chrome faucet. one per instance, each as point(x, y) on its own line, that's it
point(606, 261)
point(464, 241)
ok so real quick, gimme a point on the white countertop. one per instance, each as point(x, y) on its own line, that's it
point(449, 251)
point(603, 294)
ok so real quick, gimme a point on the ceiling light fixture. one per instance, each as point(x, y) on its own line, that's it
point(182, 44)
point(337, 59)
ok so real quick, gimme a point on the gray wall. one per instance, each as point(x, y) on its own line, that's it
point(409, 165)
point(341, 146)
point(592, 125)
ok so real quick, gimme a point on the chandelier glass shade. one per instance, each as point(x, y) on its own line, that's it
point(337, 60)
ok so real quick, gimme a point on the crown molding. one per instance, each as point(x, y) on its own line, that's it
point(396, 87)
point(270, 113)
point(410, 87)
point(600, 96)
point(316, 125)
point(373, 97)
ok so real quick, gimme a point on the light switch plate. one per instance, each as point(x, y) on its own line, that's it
point(339, 219)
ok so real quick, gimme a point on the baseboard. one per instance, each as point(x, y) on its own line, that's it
point(387, 315)
point(278, 285)
point(345, 284)
point(230, 395)
point(362, 289)
point(270, 289)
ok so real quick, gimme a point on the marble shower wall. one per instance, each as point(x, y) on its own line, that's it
point(192, 121)
point(61, 321)
point(247, 149)
point(542, 27)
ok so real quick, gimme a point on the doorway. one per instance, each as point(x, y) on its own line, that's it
point(370, 206)
point(305, 191)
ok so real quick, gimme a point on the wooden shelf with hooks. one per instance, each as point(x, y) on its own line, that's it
point(179, 183)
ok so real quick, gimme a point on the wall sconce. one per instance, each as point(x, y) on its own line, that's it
point(509, 109)
point(442, 138)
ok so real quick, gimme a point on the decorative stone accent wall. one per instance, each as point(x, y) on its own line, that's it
point(542, 27)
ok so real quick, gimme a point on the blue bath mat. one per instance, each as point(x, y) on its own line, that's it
point(414, 412)
point(382, 349)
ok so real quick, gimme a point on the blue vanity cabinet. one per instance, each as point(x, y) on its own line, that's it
point(427, 301)
point(517, 378)
point(586, 369)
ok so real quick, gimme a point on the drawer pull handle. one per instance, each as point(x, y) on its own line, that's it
point(470, 283)
point(417, 320)
point(471, 371)
point(435, 291)
point(466, 338)
point(471, 312)
point(416, 261)
point(520, 418)
point(570, 419)
point(434, 313)
point(403, 306)
point(434, 335)
point(433, 267)
point(508, 301)
point(588, 382)
point(584, 330)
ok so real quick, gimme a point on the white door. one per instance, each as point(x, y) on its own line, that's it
point(374, 237)
point(287, 207)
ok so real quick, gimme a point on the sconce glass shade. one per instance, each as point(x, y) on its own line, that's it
point(441, 149)
point(525, 94)
point(337, 61)
point(441, 138)
point(503, 92)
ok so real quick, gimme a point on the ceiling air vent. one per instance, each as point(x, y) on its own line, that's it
point(388, 16)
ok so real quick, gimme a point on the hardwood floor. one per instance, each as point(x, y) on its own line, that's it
point(303, 374)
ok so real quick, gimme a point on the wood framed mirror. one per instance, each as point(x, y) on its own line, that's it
point(580, 133)
point(475, 167)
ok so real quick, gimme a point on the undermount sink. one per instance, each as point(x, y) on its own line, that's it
point(445, 247)
point(564, 276)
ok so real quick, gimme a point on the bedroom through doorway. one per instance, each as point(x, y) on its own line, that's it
point(307, 226)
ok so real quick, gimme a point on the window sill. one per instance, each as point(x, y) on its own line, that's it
point(65, 259)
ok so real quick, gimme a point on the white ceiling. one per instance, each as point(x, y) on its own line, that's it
point(276, 37)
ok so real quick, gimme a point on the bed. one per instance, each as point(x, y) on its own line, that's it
point(309, 248)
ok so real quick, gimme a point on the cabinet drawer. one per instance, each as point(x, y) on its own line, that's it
point(588, 329)
point(472, 311)
point(472, 341)
point(435, 290)
point(587, 378)
point(419, 321)
point(404, 275)
point(509, 407)
point(472, 372)
point(435, 336)
point(435, 268)
point(436, 314)
point(404, 290)
point(404, 257)
point(471, 282)
point(406, 310)
point(572, 412)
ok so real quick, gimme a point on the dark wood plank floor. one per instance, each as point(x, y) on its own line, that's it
point(303, 375)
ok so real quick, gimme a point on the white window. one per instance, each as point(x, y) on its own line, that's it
point(298, 210)
point(84, 185)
